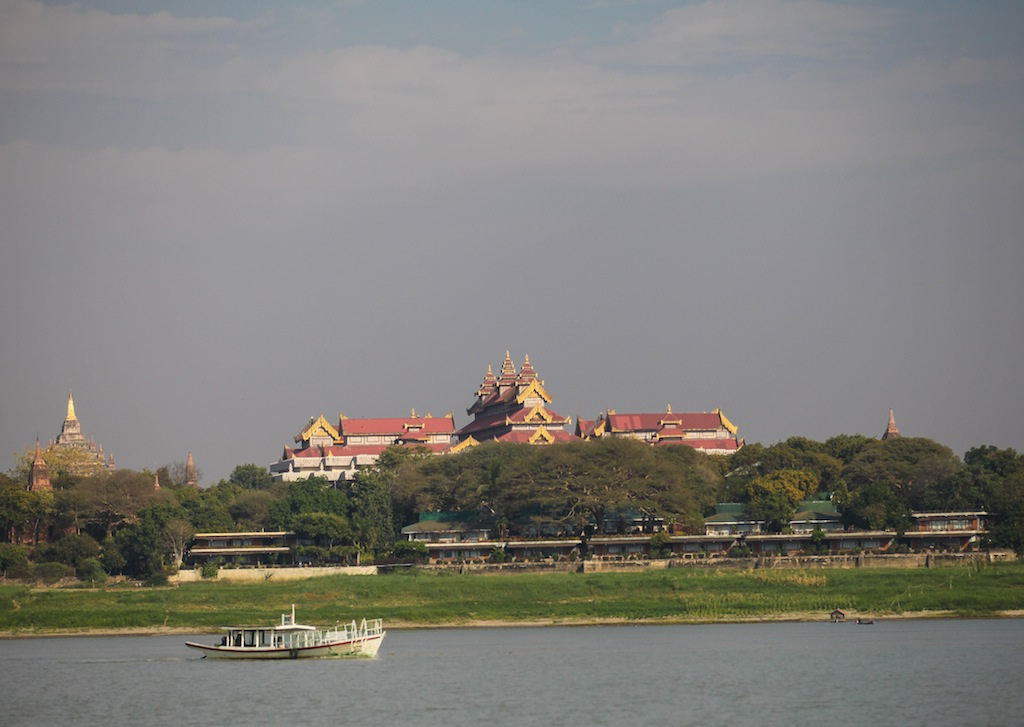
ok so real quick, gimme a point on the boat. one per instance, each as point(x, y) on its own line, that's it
point(292, 640)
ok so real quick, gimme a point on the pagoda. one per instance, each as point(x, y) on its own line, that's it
point(38, 479)
point(512, 407)
point(71, 437)
point(891, 432)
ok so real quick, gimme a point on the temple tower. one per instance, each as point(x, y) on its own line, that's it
point(38, 479)
point(71, 431)
point(190, 473)
point(891, 432)
point(512, 408)
point(71, 437)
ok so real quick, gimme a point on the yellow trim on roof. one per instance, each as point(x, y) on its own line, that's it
point(542, 433)
point(725, 422)
point(464, 444)
point(537, 389)
point(320, 424)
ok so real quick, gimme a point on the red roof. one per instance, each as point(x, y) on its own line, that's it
point(654, 422)
point(397, 426)
point(353, 450)
point(519, 417)
point(523, 436)
point(485, 422)
point(730, 444)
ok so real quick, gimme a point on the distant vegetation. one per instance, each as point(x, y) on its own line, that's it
point(104, 523)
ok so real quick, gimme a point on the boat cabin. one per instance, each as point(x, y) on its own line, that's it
point(285, 635)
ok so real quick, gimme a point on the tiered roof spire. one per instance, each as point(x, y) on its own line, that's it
point(891, 431)
point(488, 384)
point(508, 371)
point(38, 479)
point(527, 374)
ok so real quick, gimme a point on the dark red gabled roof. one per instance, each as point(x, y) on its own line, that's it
point(726, 444)
point(397, 426)
point(523, 436)
point(655, 421)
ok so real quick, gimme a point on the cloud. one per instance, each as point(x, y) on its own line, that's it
point(743, 31)
point(75, 49)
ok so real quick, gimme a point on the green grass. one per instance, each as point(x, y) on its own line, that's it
point(429, 598)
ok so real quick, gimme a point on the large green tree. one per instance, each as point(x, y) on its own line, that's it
point(773, 497)
point(312, 495)
point(910, 466)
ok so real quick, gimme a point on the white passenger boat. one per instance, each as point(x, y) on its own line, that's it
point(291, 640)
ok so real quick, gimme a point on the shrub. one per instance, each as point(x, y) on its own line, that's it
point(498, 555)
point(209, 570)
point(50, 573)
point(91, 570)
point(661, 545)
point(157, 578)
point(14, 561)
point(407, 549)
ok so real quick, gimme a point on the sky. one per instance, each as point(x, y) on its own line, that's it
point(223, 218)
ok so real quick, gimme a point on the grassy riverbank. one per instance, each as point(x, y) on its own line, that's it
point(420, 598)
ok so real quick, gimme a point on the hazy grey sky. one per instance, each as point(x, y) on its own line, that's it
point(222, 218)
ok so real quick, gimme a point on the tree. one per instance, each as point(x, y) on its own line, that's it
point(251, 509)
point(114, 499)
point(177, 534)
point(71, 550)
point(13, 560)
point(908, 465)
point(177, 474)
point(372, 510)
point(410, 550)
point(844, 447)
point(326, 530)
point(252, 477)
point(1006, 521)
point(875, 506)
point(15, 511)
point(312, 495)
point(774, 497)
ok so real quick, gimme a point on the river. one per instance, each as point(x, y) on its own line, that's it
point(896, 672)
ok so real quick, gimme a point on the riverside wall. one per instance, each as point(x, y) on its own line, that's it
point(865, 560)
point(277, 574)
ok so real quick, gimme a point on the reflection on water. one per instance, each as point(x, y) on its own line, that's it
point(892, 672)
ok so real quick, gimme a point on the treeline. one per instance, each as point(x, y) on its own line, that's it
point(101, 522)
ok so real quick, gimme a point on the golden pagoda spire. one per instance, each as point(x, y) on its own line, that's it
point(71, 406)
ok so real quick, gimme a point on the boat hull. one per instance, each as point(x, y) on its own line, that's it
point(366, 647)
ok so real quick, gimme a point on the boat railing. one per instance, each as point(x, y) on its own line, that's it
point(369, 628)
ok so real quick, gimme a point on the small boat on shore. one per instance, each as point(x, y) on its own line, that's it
point(291, 640)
